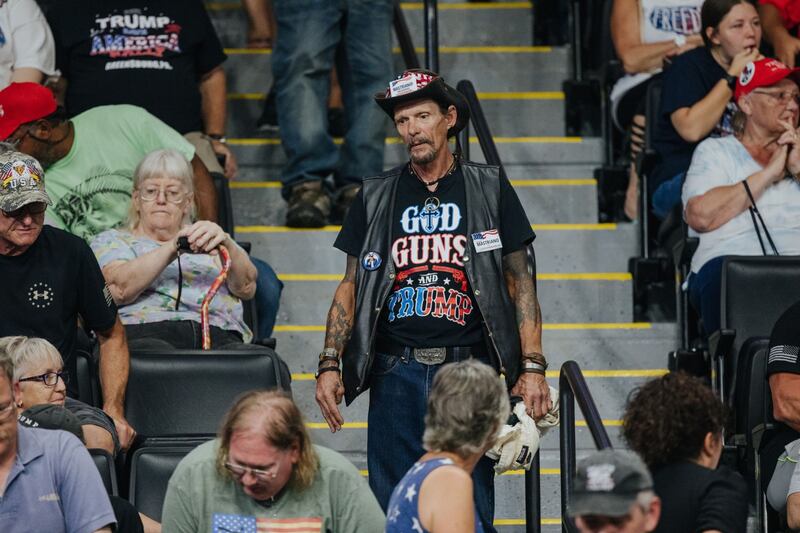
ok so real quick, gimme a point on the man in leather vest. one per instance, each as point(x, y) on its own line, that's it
point(437, 272)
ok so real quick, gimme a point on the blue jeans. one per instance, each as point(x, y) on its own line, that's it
point(268, 298)
point(705, 293)
point(667, 196)
point(398, 399)
point(313, 35)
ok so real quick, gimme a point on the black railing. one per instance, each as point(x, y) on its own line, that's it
point(404, 38)
point(431, 36)
point(533, 504)
point(576, 43)
point(571, 388)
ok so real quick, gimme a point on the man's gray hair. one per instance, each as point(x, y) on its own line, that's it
point(468, 405)
point(167, 163)
point(27, 353)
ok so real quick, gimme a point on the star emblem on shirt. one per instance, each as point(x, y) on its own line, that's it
point(410, 281)
point(411, 492)
point(415, 525)
point(394, 512)
point(446, 281)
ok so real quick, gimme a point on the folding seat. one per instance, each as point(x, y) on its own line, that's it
point(187, 392)
point(105, 465)
point(151, 468)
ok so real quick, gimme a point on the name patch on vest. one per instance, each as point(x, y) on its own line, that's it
point(486, 241)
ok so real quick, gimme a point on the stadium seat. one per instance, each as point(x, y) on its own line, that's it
point(86, 379)
point(105, 465)
point(755, 291)
point(224, 204)
point(151, 468)
point(187, 392)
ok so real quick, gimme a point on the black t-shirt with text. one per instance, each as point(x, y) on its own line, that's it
point(431, 302)
point(47, 287)
point(149, 53)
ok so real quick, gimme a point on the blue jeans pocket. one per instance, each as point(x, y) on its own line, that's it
point(384, 364)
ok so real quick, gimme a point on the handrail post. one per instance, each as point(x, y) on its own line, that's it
point(463, 142)
point(404, 37)
point(478, 120)
point(571, 388)
point(577, 60)
point(533, 500)
point(431, 36)
point(566, 434)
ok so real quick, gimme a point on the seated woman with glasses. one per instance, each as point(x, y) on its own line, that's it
point(40, 378)
point(160, 289)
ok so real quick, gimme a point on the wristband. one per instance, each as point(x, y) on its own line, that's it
point(327, 353)
point(217, 137)
point(731, 81)
point(326, 369)
point(531, 367)
point(536, 357)
point(323, 358)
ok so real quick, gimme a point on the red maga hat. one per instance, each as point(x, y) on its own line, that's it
point(21, 103)
point(762, 73)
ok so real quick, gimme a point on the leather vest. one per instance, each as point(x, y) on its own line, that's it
point(484, 271)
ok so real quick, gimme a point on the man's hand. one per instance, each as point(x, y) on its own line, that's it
point(535, 393)
point(786, 50)
point(330, 391)
point(230, 160)
point(125, 432)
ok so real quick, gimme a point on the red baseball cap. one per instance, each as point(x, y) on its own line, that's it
point(762, 73)
point(21, 103)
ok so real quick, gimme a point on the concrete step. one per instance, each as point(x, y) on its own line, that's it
point(512, 151)
point(459, 24)
point(510, 114)
point(551, 201)
point(563, 301)
point(525, 68)
point(568, 248)
point(626, 349)
point(262, 172)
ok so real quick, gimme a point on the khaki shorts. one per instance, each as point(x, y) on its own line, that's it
point(203, 150)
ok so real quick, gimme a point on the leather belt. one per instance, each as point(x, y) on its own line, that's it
point(432, 355)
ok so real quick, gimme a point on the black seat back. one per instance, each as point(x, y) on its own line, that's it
point(224, 203)
point(151, 468)
point(187, 392)
point(105, 465)
point(749, 389)
point(755, 292)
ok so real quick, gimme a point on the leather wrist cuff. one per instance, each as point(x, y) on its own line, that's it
point(324, 369)
point(324, 358)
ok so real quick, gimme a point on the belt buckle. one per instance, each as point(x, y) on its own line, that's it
point(430, 356)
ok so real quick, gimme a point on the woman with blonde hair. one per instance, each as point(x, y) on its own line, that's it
point(158, 284)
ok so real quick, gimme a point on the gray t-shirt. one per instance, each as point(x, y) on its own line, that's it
point(53, 486)
point(199, 499)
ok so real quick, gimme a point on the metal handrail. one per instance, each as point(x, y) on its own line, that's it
point(404, 37)
point(431, 36)
point(577, 41)
point(571, 388)
point(533, 503)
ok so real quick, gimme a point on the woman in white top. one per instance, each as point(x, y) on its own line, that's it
point(728, 175)
point(645, 34)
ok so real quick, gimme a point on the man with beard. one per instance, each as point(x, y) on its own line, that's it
point(437, 272)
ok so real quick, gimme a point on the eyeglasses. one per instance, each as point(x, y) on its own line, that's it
point(50, 379)
point(150, 194)
point(784, 97)
point(6, 410)
point(32, 209)
point(239, 471)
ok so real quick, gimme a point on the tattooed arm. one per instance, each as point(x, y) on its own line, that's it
point(330, 388)
point(532, 387)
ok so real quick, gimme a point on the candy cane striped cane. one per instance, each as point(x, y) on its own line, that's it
point(218, 281)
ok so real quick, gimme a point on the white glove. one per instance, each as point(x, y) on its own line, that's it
point(517, 445)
